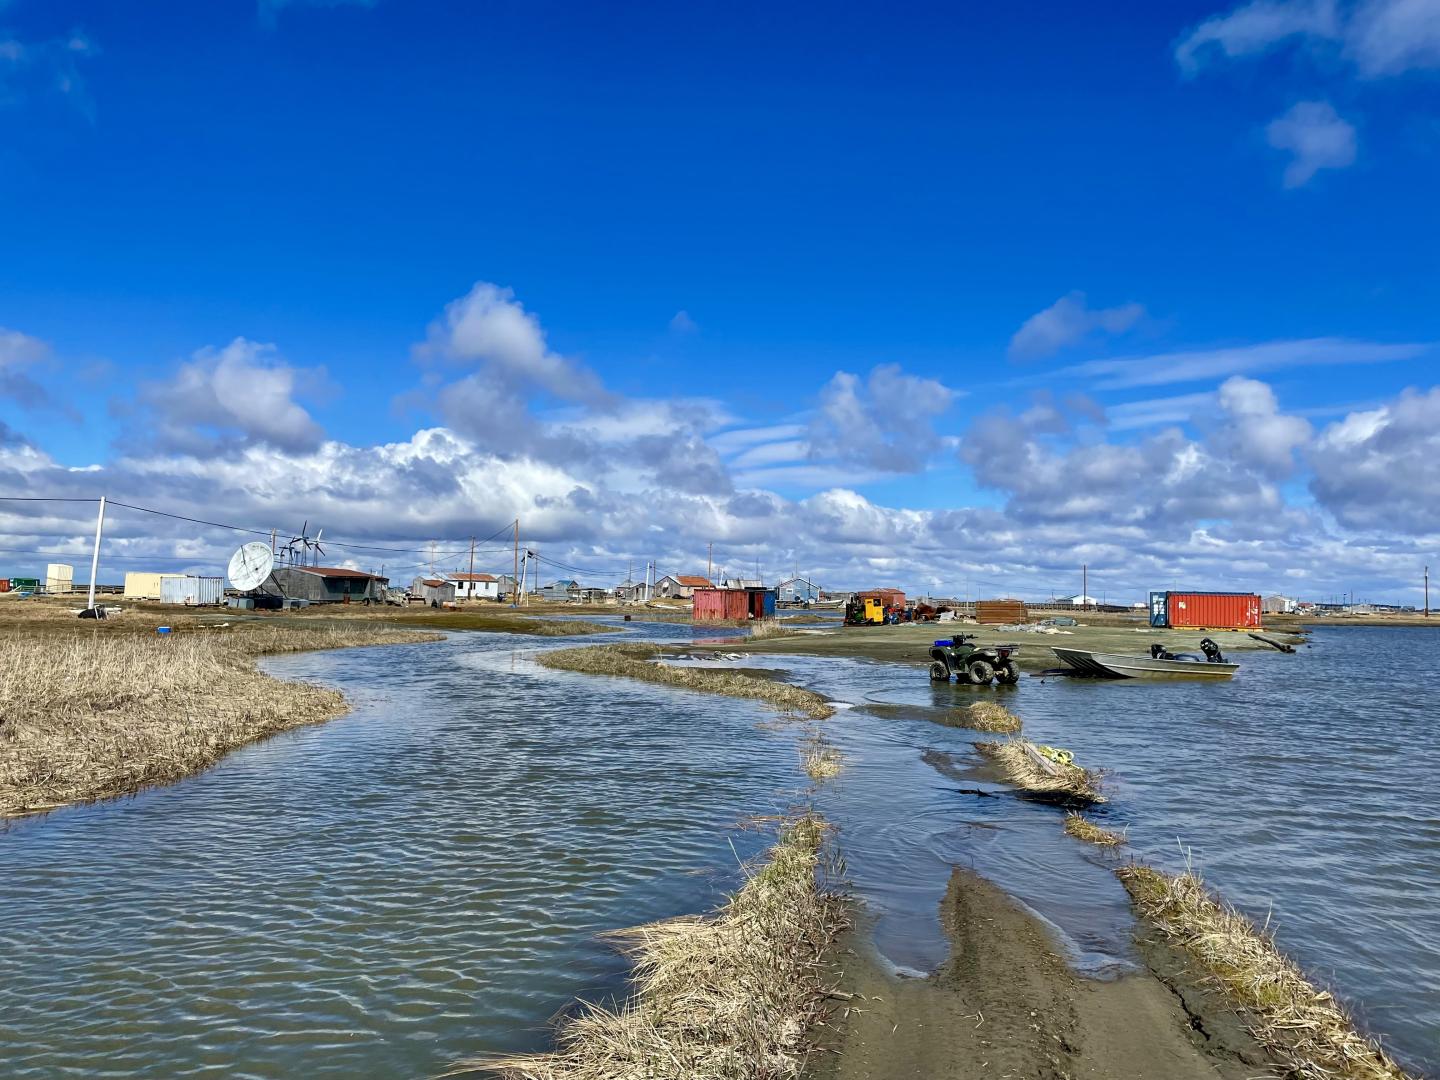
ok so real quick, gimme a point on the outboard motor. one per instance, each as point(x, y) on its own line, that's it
point(1212, 651)
point(1159, 652)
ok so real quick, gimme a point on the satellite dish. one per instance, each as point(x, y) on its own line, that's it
point(251, 566)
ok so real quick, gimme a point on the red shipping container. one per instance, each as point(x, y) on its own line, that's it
point(721, 605)
point(1213, 611)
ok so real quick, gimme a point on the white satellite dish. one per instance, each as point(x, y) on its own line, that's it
point(251, 566)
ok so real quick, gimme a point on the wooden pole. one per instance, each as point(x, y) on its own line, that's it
point(515, 584)
point(1427, 592)
point(1085, 586)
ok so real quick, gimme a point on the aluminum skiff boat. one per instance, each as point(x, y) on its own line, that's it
point(1103, 665)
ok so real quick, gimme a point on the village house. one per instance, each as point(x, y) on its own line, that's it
point(797, 590)
point(680, 586)
point(566, 589)
point(433, 590)
point(475, 586)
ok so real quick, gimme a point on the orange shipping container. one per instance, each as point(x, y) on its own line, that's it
point(1213, 611)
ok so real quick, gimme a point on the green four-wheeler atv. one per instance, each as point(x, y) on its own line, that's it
point(977, 666)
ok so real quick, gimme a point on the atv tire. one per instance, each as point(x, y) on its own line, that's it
point(1008, 673)
point(939, 672)
point(979, 673)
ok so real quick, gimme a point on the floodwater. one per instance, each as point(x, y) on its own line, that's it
point(417, 882)
point(1305, 791)
point(425, 879)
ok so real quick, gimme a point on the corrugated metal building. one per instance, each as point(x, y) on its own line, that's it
point(733, 605)
point(1206, 610)
point(143, 585)
point(329, 584)
point(192, 590)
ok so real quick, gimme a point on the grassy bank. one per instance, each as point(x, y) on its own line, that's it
point(729, 997)
point(1287, 1013)
point(97, 712)
point(638, 662)
point(1082, 828)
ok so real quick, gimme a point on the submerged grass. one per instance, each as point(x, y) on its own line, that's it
point(990, 716)
point(1082, 828)
point(729, 997)
point(1306, 1026)
point(820, 760)
point(638, 662)
point(505, 623)
point(90, 714)
point(1027, 766)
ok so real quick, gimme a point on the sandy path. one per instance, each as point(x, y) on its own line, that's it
point(1006, 1004)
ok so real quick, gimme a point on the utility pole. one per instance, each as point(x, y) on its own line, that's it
point(1085, 586)
point(515, 581)
point(432, 558)
point(1427, 592)
point(709, 560)
point(95, 558)
point(470, 581)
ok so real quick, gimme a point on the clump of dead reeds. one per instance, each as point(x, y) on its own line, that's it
point(637, 662)
point(729, 997)
point(1306, 1026)
point(990, 716)
point(1082, 828)
point(821, 760)
point(768, 628)
point(1034, 768)
point(90, 713)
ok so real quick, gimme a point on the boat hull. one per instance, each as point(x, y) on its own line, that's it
point(1118, 666)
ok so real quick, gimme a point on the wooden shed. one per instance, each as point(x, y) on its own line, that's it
point(1000, 611)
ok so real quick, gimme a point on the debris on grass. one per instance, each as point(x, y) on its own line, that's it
point(1082, 828)
point(728, 997)
point(990, 716)
point(638, 662)
point(1287, 1013)
point(1043, 771)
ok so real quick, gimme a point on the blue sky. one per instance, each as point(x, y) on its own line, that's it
point(738, 258)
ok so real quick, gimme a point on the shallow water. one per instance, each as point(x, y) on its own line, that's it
point(1304, 791)
point(380, 896)
point(425, 878)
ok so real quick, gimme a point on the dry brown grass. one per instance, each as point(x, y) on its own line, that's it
point(1027, 767)
point(92, 713)
point(730, 997)
point(990, 716)
point(637, 662)
point(1306, 1026)
point(768, 628)
point(821, 760)
point(1082, 828)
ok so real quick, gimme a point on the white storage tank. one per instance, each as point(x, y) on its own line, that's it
point(59, 578)
point(192, 590)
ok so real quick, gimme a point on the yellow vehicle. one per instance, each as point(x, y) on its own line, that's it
point(865, 611)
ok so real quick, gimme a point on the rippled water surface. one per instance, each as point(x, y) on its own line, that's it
point(1305, 790)
point(424, 879)
point(379, 896)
